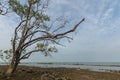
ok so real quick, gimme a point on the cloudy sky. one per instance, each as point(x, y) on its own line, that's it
point(96, 40)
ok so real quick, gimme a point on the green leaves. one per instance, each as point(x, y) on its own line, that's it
point(1, 54)
point(6, 51)
point(41, 46)
point(52, 49)
point(44, 17)
point(46, 48)
point(23, 10)
point(32, 1)
point(19, 9)
point(6, 55)
point(38, 16)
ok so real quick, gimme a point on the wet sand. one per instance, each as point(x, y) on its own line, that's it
point(37, 73)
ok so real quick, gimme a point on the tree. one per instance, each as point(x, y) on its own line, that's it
point(33, 33)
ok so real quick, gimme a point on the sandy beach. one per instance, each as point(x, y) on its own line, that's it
point(37, 73)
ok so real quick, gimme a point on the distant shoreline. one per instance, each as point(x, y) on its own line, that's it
point(76, 63)
point(100, 67)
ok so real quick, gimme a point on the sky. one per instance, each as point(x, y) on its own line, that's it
point(96, 40)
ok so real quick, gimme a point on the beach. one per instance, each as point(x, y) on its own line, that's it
point(38, 73)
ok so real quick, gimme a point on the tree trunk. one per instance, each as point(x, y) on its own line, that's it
point(12, 66)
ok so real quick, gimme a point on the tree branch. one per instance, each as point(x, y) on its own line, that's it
point(15, 34)
point(62, 26)
point(57, 36)
point(72, 30)
point(24, 29)
point(29, 53)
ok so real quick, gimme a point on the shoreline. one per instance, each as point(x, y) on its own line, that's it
point(35, 73)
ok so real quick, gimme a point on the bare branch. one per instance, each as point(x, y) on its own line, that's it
point(25, 56)
point(56, 42)
point(62, 26)
point(72, 30)
point(53, 22)
point(37, 32)
point(49, 37)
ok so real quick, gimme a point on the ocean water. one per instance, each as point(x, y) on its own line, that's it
point(95, 66)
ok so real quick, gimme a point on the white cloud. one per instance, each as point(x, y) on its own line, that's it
point(95, 40)
point(98, 36)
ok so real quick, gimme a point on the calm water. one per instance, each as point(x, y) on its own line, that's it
point(95, 66)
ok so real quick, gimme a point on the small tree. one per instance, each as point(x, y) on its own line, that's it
point(33, 33)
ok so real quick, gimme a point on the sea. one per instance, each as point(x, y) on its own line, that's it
point(94, 66)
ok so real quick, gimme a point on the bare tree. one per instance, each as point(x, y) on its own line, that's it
point(33, 33)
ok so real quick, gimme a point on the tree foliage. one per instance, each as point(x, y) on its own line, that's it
point(3, 8)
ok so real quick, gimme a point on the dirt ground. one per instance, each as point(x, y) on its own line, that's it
point(36, 73)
